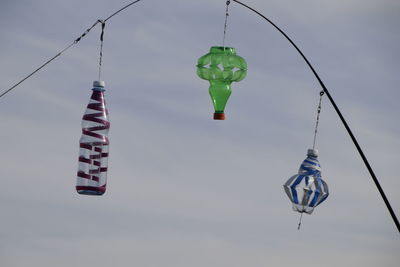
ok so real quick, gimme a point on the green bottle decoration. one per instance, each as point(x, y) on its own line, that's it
point(221, 66)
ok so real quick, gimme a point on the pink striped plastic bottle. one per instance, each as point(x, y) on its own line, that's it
point(93, 152)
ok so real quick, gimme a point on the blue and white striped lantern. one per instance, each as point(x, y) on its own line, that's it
point(306, 189)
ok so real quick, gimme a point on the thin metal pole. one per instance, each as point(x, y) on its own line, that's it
point(371, 172)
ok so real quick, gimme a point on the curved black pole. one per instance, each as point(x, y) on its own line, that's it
point(371, 172)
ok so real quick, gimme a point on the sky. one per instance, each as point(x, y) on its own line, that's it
point(183, 189)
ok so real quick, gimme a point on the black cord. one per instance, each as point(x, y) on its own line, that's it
point(226, 21)
point(103, 24)
point(68, 47)
point(115, 13)
point(317, 121)
point(353, 138)
point(32, 73)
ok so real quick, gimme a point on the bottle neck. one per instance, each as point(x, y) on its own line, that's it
point(219, 83)
point(98, 89)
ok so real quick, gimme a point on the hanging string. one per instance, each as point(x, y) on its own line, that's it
point(318, 114)
point(119, 10)
point(103, 24)
point(50, 60)
point(66, 48)
point(226, 21)
point(301, 217)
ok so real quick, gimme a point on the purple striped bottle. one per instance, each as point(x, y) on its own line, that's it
point(93, 152)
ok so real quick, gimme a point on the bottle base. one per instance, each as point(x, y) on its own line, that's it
point(219, 116)
point(90, 190)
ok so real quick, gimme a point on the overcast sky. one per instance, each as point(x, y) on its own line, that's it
point(185, 190)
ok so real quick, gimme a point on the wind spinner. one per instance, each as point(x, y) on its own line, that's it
point(221, 66)
point(94, 142)
point(306, 189)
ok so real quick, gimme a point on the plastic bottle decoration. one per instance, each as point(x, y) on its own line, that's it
point(306, 189)
point(93, 153)
point(221, 66)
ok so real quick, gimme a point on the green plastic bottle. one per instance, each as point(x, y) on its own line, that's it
point(221, 66)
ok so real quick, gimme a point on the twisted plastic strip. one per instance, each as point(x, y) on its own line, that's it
point(92, 172)
point(306, 189)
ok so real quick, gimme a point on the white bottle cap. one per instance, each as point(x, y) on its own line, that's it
point(312, 152)
point(100, 84)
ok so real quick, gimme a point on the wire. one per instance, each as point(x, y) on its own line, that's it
point(32, 73)
point(318, 114)
point(226, 22)
point(69, 46)
point(301, 217)
point(125, 7)
point(103, 24)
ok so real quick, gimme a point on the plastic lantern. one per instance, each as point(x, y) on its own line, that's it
point(221, 66)
point(306, 189)
point(93, 152)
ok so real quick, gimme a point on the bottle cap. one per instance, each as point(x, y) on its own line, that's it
point(219, 116)
point(312, 152)
point(100, 84)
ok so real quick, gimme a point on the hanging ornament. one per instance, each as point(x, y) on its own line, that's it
point(306, 189)
point(93, 152)
point(221, 66)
